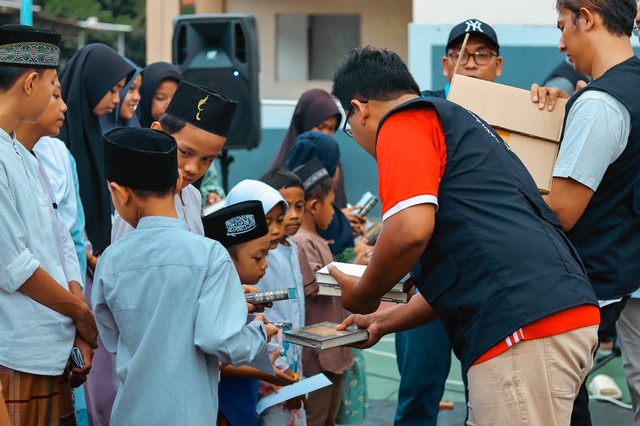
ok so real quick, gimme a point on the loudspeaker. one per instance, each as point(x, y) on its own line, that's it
point(220, 51)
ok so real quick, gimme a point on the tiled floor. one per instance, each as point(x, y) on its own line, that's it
point(383, 381)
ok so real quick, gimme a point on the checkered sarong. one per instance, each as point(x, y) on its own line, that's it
point(37, 400)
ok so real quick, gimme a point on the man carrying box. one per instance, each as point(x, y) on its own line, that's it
point(596, 185)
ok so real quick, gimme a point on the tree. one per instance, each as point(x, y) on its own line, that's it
point(128, 12)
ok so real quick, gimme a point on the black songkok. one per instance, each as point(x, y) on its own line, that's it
point(141, 159)
point(202, 107)
point(237, 223)
point(28, 47)
point(311, 174)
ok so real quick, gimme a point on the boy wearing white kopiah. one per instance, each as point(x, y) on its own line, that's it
point(239, 391)
point(284, 271)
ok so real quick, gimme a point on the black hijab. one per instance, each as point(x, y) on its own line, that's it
point(313, 107)
point(111, 121)
point(154, 74)
point(85, 80)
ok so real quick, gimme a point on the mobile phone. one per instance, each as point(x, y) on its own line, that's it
point(367, 201)
point(76, 357)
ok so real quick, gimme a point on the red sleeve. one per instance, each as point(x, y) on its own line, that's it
point(411, 155)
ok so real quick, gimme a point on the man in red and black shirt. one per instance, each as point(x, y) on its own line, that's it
point(487, 254)
point(419, 397)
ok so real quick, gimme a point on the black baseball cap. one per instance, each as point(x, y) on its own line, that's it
point(473, 27)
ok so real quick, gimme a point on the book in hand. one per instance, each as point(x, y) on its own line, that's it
point(370, 236)
point(262, 297)
point(325, 336)
point(328, 286)
point(212, 208)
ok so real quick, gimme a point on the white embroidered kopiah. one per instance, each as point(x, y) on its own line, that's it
point(240, 224)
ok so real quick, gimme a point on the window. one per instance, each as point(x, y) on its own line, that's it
point(309, 47)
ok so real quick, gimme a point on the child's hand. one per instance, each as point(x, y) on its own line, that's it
point(296, 403)
point(213, 197)
point(251, 307)
point(356, 220)
point(79, 375)
point(283, 378)
point(363, 253)
point(271, 329)
point(86, 326)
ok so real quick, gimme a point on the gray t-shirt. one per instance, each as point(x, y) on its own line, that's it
point(596, 133)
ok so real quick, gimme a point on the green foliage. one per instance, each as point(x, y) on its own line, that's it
point(127, 12)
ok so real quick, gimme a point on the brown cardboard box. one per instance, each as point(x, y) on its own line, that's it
point(533, 135)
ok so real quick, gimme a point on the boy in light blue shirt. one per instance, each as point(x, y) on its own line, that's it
point(168, 302)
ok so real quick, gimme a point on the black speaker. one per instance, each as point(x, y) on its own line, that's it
point(220, 51)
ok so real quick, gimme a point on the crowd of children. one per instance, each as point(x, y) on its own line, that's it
point(115, 285)
point(178, 343)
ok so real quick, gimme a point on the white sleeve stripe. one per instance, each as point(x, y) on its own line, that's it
point(414, 201)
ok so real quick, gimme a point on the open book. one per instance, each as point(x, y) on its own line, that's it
point(328, 286)
point(324, 336)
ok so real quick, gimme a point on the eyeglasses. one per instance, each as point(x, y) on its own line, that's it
point(482, 57)
point(346, 129)
point(635, 31)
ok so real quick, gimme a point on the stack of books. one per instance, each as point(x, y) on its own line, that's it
point(328, 286)
point(324, 336)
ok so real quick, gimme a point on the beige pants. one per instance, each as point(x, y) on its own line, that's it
point(534, 382)
point(628, 327)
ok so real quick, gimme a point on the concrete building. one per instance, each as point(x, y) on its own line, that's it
point(301, 41)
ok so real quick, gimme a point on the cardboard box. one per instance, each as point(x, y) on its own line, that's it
point(532, 134)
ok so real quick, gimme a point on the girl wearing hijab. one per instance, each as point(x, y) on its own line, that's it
point(124, 115)
point(91, 83)
point(160, 83)
point(316, 111)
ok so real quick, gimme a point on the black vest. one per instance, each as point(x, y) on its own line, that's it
point(497, 259)
point(607, 235)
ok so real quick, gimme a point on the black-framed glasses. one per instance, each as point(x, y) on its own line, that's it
point(346, 129)
point(635, 31)
point(482, 57)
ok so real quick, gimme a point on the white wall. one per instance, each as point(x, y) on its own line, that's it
point(494, 12)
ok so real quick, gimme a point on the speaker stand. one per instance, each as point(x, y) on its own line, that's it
point(225, 161)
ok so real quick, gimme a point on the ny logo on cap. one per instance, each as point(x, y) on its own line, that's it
point(240, 224)
point(473, 26)
point(201, 103)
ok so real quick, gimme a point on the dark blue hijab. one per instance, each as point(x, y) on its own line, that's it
point(310, 145)
point(318, 145)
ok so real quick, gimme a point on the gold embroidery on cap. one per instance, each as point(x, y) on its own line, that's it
point(201, 103)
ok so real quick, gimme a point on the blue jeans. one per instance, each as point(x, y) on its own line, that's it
point(424, 358)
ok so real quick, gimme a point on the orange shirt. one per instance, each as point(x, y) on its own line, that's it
point(411, 156)
point(560, 322)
